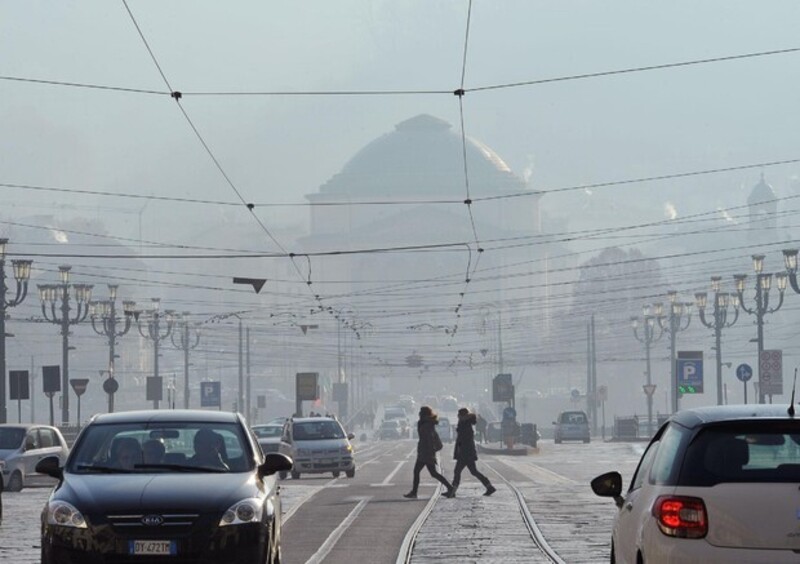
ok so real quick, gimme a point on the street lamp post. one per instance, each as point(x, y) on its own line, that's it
point(672, 324)
point(22, 273)
point(761, 306)
point(718, 322)
point(647, 338)
point(104, 322)
point(49, 295)
point(150, 328)
point(188, 339)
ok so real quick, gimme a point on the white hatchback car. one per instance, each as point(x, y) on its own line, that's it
point(21, 448)
point(717, 484)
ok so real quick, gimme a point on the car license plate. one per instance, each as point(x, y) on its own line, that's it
point(153, 547)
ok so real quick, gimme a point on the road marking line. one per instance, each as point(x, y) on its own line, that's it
point(391, 475)
point(337, 533)
point(288, 515)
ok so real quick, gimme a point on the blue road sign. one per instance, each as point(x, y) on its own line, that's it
point(690, 372)
point(210, 394)
point(744, 372)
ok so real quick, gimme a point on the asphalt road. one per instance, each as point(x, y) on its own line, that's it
point(366, 519)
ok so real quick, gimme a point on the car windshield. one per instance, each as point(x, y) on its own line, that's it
point(11, 438)
point(268, 431)
point(161, 447)
point(317, 430)
point(573, 418)
point(743, 452)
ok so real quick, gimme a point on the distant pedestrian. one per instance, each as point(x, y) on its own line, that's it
point(428, 445)
point(480, 428)
point(466, 454)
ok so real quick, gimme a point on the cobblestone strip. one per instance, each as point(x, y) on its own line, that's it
point(19, 529)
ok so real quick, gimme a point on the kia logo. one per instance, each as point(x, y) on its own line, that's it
point(152, 520)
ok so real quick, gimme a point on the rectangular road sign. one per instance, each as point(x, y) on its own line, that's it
point(771, 372)
point(306, 385)
point(18, 388)
point(690, 372)
point(210, 394)
point(51, 379)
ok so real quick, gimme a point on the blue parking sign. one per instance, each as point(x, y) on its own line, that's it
point(690, 372)
point(210, 394)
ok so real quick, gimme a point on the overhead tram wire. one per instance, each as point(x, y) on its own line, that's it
point(408, 92)
point(176, 95)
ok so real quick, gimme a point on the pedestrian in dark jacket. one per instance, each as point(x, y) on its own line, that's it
point(426, 451)
point(465, 453)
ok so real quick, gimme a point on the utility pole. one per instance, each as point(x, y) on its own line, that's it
point(185, 344)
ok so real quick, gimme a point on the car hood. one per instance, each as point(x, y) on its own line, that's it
point(190, 492)
point(6, 452)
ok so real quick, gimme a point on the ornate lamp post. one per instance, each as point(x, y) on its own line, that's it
point(189, 339)
point(672, 324)
point(104, 322)
point(50, 294)
point(761, 306)
point(647, 338)
point(719, 321)
point(22, 273)
point(150, 328)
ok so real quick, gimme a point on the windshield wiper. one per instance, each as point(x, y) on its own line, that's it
point(104, 469)
point(180, 467)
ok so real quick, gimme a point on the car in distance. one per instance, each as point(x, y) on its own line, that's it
point(571, 426)
point(318, 445)
point(445, 430)
point(715, 484)
point(269, 439)
point(390, 430)
point(21, 447)
point(156, 486)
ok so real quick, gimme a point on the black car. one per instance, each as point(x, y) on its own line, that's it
point(164, 486)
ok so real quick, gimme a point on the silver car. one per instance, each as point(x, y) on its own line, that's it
point(318, 445)
point(21, 447)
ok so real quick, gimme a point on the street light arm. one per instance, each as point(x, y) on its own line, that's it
point(142, 333)
point(102, 332)
point(22, 292)
point(688, 321)
point(704, 321)
point(127, 327)
point(777, 307)
point(735, 318)
point(81, 311)
point(640, 339)
point(749, 311)
point(793, 282)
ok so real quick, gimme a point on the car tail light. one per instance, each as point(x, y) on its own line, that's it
point(679, 516)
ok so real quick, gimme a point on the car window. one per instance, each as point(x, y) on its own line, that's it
point(148, 447)
point(11, 439)
point(317, 430)
point(32, 440)
point(667, 461)
point(47, 438)
point(643, 469)
point(753, 451)
point(573, 418)
point(268, 431)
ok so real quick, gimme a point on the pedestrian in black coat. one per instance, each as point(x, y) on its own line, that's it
point(426, 450)
point(465, 453)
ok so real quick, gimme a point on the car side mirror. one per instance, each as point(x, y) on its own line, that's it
point(609, 485)
point(275, 462)
point(350, 436)
point(50, 466)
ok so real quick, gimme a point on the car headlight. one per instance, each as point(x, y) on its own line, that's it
point(346, 449)
point(63, 514)
point(248, 510)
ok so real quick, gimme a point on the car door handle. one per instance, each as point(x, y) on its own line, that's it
point(629, 506)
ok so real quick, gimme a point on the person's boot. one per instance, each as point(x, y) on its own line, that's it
point(410, 495)
point(451, 493)
point(490, 489)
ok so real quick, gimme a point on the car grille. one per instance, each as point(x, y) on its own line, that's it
point(132, 524)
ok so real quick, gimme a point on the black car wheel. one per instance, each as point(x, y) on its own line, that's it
point(351, 473)
point(15, 482)
point(335, 474)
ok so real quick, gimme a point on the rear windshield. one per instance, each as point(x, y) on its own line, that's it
point(754, 451)
point(573, 418)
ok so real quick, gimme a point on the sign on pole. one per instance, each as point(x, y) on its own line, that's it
point(744, 372)
point(18, 388)
point(155, 388)
point(502, 388)
point(771, 372)
point(690, 372)
point(306, 386)
point(51, 379)
point(79, 385)
point(211, 394)
point(649, 389)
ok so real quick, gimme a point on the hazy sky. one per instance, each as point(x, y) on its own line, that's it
point(277, 149)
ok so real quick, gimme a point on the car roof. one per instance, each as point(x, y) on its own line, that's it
point(699, 416)
point(306, 419)
point(25, 426)
point(166, 416)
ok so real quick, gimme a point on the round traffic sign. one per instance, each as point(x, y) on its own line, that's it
point(744, 372)
point(575, 393)
point(110, 385)
point(509, 413)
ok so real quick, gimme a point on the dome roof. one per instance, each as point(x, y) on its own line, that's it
point(423, 156)
point(762, 192)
